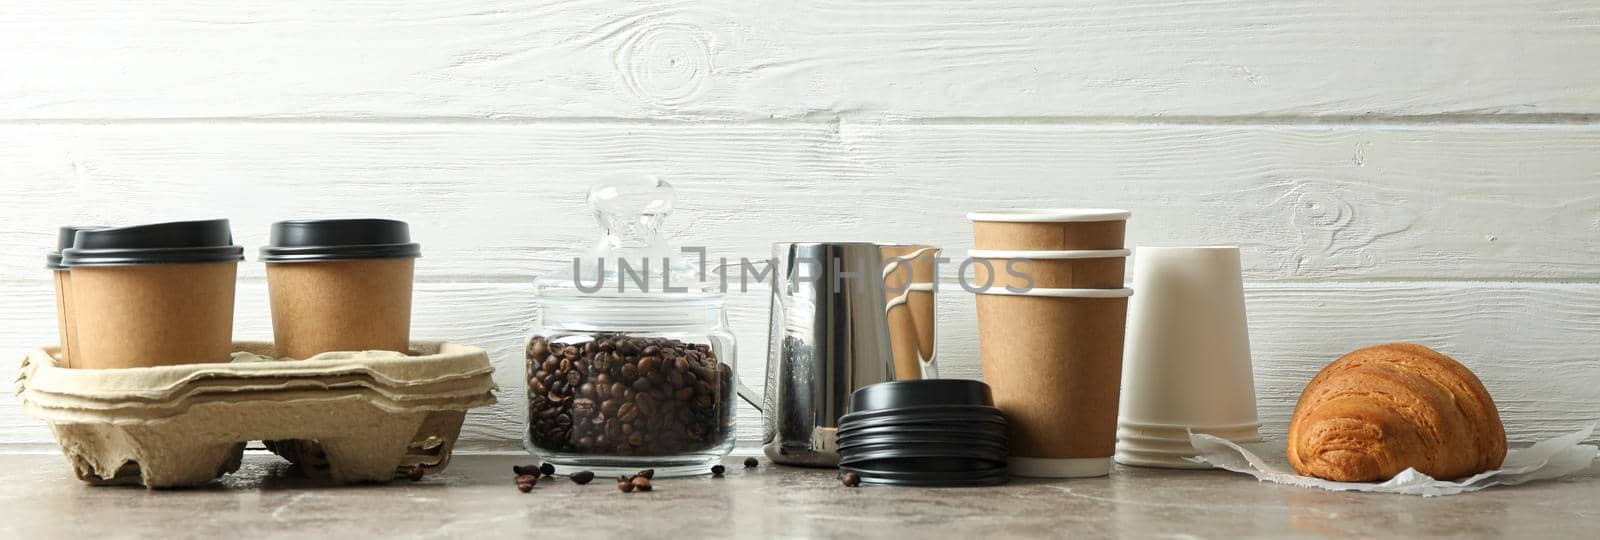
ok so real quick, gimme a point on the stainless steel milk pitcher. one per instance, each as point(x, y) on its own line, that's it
point(829, 334)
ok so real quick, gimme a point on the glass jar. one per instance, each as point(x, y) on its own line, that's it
point(622, 380)
point(617, 385)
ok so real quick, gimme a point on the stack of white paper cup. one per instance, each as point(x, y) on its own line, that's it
point(1187, 362)
point(1051, 313)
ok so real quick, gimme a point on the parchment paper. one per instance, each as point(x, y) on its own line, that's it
point(1552, 458)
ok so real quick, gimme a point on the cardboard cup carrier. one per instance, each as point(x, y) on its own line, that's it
point(344, 416)
point(1053, 354)
point(151, 295)
point(340, 285)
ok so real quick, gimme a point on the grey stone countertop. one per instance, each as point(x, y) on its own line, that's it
point(476, 498)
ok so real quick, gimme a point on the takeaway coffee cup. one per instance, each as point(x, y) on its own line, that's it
point(1055, 269)
point(1054, 360)
point(340, 285)
point(151, 295)
point(63, 282)
point(1051, 316)
point(1049, 229)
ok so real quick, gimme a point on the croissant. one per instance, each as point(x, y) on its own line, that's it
point(1380, 410)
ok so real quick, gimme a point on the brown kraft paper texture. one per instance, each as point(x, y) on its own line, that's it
point(63, 281)
point(353, 305)
point(1046, 236)
point(1055, 367)
point(1096, 273)
point(150, 315)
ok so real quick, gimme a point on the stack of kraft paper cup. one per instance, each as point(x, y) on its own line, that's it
point(1052, 310)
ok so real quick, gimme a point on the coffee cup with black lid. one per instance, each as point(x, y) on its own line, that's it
point(340, 285)
point(63, 282)
point(151, 295)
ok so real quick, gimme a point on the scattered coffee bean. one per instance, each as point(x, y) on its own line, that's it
point(547, 469)
point(648, 473)
point(751, 463)
point(612, 394)
point(624, 484)
point(717, 470)
point(525, 482)
point(582, 477)
point(641, 483)
point(520, 470)
point(852, 479)
point(414, 473)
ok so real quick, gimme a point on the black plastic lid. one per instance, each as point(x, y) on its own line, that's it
point(178, 242)
point(317, 240)
point(64, 239)
point(922, 393)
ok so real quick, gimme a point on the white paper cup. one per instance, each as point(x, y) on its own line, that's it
point(1180, 432)
point(1187, 356)
point(1186, 362)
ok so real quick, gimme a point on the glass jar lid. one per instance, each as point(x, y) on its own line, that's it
point(632, 271)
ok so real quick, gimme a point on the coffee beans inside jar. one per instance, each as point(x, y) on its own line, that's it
point(619, 395)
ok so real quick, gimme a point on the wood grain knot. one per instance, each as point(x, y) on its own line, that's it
point(1335, 225)
point(665, 64)
point(1320, 209)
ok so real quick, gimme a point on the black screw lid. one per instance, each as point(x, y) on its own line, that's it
point(64, 240)
point(920, 393)
point(178, 242)
point(315, 240)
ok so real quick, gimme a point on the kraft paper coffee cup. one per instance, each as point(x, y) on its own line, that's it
point(1058, 269)
point(1054, 360)
point(340, 285)
point(908, 289)
point(63, 284)
point(151, 295)
point(1049, 229)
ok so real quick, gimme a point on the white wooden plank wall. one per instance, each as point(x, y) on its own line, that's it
point(1425, 170)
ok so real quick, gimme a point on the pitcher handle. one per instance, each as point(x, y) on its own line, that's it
point(748, 395)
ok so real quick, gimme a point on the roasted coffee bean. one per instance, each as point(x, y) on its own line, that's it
point(547, 469)
point(584, 407)
point(717, 470)
point(641, 483)
point(414, 473)
point(617, 395)
point(520, 470)
point(525, 482)
point(624, 484)
point(751, 463)
point(851, 479)
point(648, 473)
point(582, 477)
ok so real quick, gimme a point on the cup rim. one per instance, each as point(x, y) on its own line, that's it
point(1060, 293)
point(1201, 247)
point(1135, 424)
point(1050, 215)
point(1048, 254)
